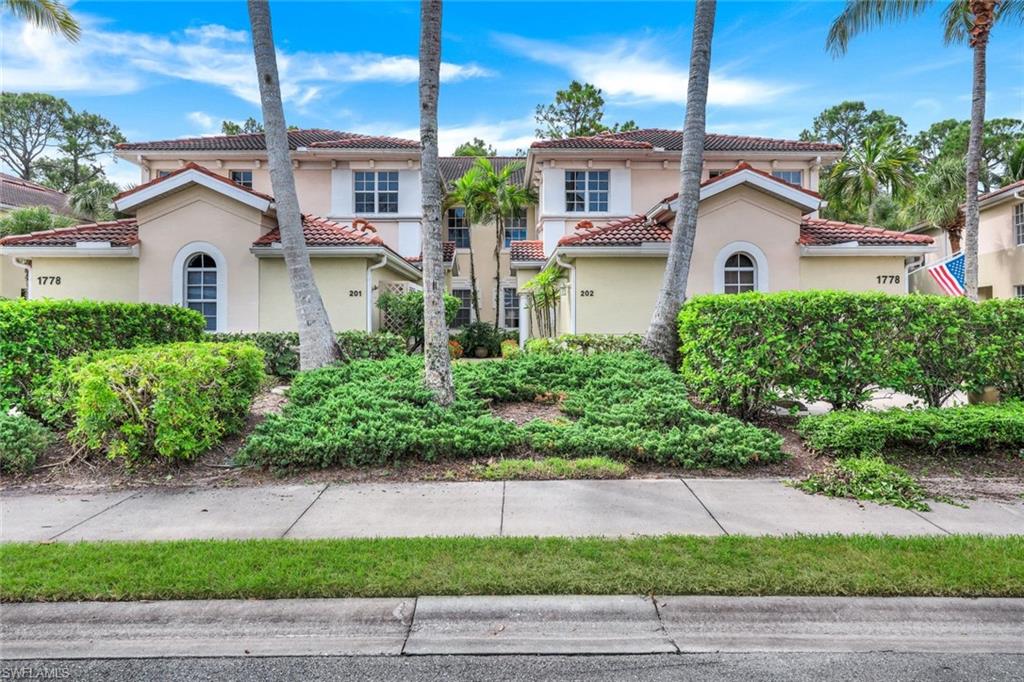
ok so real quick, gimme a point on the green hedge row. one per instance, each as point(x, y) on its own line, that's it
point(962, 430)
point(174, 401)
point(743, 353)
point(35, 333)
point(585, 343)
point(281, 349)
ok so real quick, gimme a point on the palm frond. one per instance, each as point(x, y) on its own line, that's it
point(859, 16)
point(47, 14)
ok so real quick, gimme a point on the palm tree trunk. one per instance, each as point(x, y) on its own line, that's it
point(437, 374)
point(472, 278)
point(317, 344)
point(982, 11)
point(662, 340)
point(497, 267)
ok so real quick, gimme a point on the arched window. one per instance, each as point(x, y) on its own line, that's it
point(201, 287)
point(740, 274)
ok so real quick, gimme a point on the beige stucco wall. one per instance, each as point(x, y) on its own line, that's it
point(199, 215)
point(337, 279)
point(615, 295)
point(99, 279)
point(854, 273)
point(12, 278)
point(1000, 260)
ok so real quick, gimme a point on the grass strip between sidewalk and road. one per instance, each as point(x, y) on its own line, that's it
point(964, 566)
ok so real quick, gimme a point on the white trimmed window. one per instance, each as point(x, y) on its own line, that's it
point(163, 173)
point(458, 227)
point(465, 314)
point(1018, 291)
point(242, 177)
point(793, 177)
point(515, 229)
point(740, 274)
point(586, 191)
point(376, 191)
point(201, 287)
point(715, 173)
point(1018, 224)
point(510, 307)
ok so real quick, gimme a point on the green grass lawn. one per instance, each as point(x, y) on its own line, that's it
point(803, 565)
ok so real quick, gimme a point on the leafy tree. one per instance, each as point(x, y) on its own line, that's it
point(849, 122)
point(32, 219)
point(662, 338)
point(47, 14)
point(83, 139)
point(964, 21)
point(880, 164)
point(931, 142)
point(250, 125)
point(475, 147)
point(92, 199)
point(317, 344)
point(405, 313)
point(577, 110)
point(1015, 164)
point(29, 123)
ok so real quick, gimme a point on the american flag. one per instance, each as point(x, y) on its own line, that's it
point(950, 275)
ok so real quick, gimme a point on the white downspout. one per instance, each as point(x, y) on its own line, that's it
point(369, 292)
point(572, 292)
point(27, 267)
point(524, 321)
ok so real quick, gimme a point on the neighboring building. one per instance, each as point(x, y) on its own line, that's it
point(605, 212)
point(1000, 246)
point(18, 193)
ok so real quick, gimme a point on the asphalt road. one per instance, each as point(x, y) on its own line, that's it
point(881, 666)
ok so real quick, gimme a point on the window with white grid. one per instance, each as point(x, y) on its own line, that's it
point(1018, 223)
point(586, 191)
point(515, 229)
point(465, 314)
point(510, 304)
point(376, 191)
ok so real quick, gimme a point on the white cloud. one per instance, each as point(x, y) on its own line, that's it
point(505, 136)
point(635, 71)
point(204, 121)
point(107, 62)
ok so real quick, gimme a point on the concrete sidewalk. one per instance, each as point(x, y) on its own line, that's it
point(550, 625)
point(517, 508)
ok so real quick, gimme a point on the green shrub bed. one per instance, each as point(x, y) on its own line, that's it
point(624, 406)
point(585, 343)
point(743, 353)
point(868, 478)
point(35, 333)
point(22, 440)
point(962, 430)
point(173, 401)
point(281, 349)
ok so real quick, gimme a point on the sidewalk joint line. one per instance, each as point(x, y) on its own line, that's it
point(408, 630)
point(696, 497)
point(501, 521)
point(308, 507)
point(925, 518)
point(661, 624)
point(90, 518)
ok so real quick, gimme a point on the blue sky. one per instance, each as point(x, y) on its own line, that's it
point(164, 70)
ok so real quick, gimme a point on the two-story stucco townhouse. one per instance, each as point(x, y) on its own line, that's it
point(1000, 246)
point(204, 213)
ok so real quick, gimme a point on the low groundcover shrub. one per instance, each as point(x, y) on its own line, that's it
point(174, 401)
point(963, 430)
point(624, 406)
point(281, 349)
point(868, 478)
point(585, 343)
point(22, 440)
point(35, 333)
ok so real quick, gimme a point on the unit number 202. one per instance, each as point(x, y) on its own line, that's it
point(888, 279)
point(48, 279)
point(586, 292)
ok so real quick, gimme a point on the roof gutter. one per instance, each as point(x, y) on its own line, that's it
point(857, 250)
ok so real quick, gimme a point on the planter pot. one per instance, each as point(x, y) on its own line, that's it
point(480, 352)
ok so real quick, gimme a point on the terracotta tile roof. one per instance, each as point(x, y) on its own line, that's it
point(124, 232)
point(672, 140)
point(323, 232)
point(454, 167)
point(20, 193)
point(528, 250)
point(196, 167)
point(255, 142)
point(447, 255)
point(355, 141)
point(1019, 185)
point(821, 232)
point(743, 166)
point(632, 231)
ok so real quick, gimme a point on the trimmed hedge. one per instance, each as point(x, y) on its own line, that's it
point(585, 343)
point(743, 353)
point(35, 333)
point(627, 406)
point(173, 401)
point(22, 440)
point(963, 430)
point(281, 349)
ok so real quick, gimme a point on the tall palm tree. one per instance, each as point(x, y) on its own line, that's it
point(880, 164)
point(493, 196)
point(938, 197)
point(317, 344)
point(662, 339)
point(91, 199)
point(47, 14)
point(964, 21)
point(464, 193)
point(437, 374)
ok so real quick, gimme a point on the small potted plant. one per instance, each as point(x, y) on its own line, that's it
point(482, 339)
